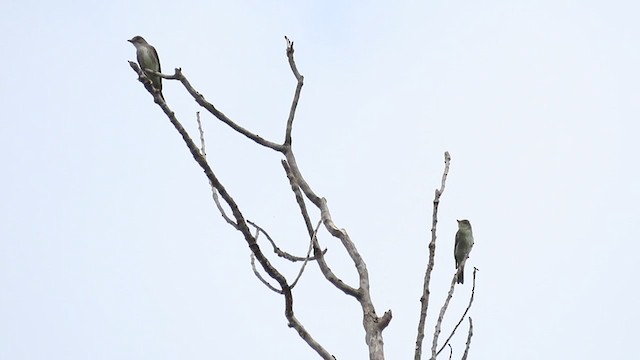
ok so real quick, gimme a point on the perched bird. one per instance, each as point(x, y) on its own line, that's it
point(464, 243)
point(148, 59)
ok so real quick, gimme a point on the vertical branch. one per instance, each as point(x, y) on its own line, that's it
point(373, 324)
point(424, 299)
point(296, 97)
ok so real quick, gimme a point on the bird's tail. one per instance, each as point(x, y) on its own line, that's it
point(461, 275)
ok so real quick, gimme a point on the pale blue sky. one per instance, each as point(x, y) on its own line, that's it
point(110, 245)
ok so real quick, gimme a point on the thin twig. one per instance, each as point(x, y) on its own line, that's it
point(201, 131)
point(255, 270)
point(214, 192)
point(276, 249)
point(216, 200)
point(257, 273)
point(313, 238)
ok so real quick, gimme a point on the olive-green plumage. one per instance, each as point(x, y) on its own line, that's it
point(148, 59)
point(462, 248)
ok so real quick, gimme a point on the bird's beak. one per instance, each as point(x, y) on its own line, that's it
point(458, 221)
point(131, 41)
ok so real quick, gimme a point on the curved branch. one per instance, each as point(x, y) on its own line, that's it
point(277, 250)
point(214, 192)
point(262, 280)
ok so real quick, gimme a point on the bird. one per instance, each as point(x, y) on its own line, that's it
point(462, 248)
point(148, 59)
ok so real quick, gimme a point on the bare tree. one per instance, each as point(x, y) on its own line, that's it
point(372, 323)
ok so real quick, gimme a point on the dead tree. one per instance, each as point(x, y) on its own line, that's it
point(372, 323)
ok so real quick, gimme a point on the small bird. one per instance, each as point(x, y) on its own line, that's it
point(462, 248)
point(148, 59)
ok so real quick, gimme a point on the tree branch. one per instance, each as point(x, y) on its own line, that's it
point(296, 97)
point(277, 250)
point(436, 332)
point(313, 239)
point(142, 77)
point(199, 98)
point(373, 332)
point(372, 323)
point(466, 349)
point(424, 299)
point(473, 292)
point(262, 280)
point(214, 192)
point(324, 267)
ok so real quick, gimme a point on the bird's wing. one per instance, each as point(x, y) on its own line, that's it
point(159, 85)
point(455, 246)
point(140, 59)
point(157, 57)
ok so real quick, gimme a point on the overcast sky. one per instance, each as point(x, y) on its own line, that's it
point(110, 244)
